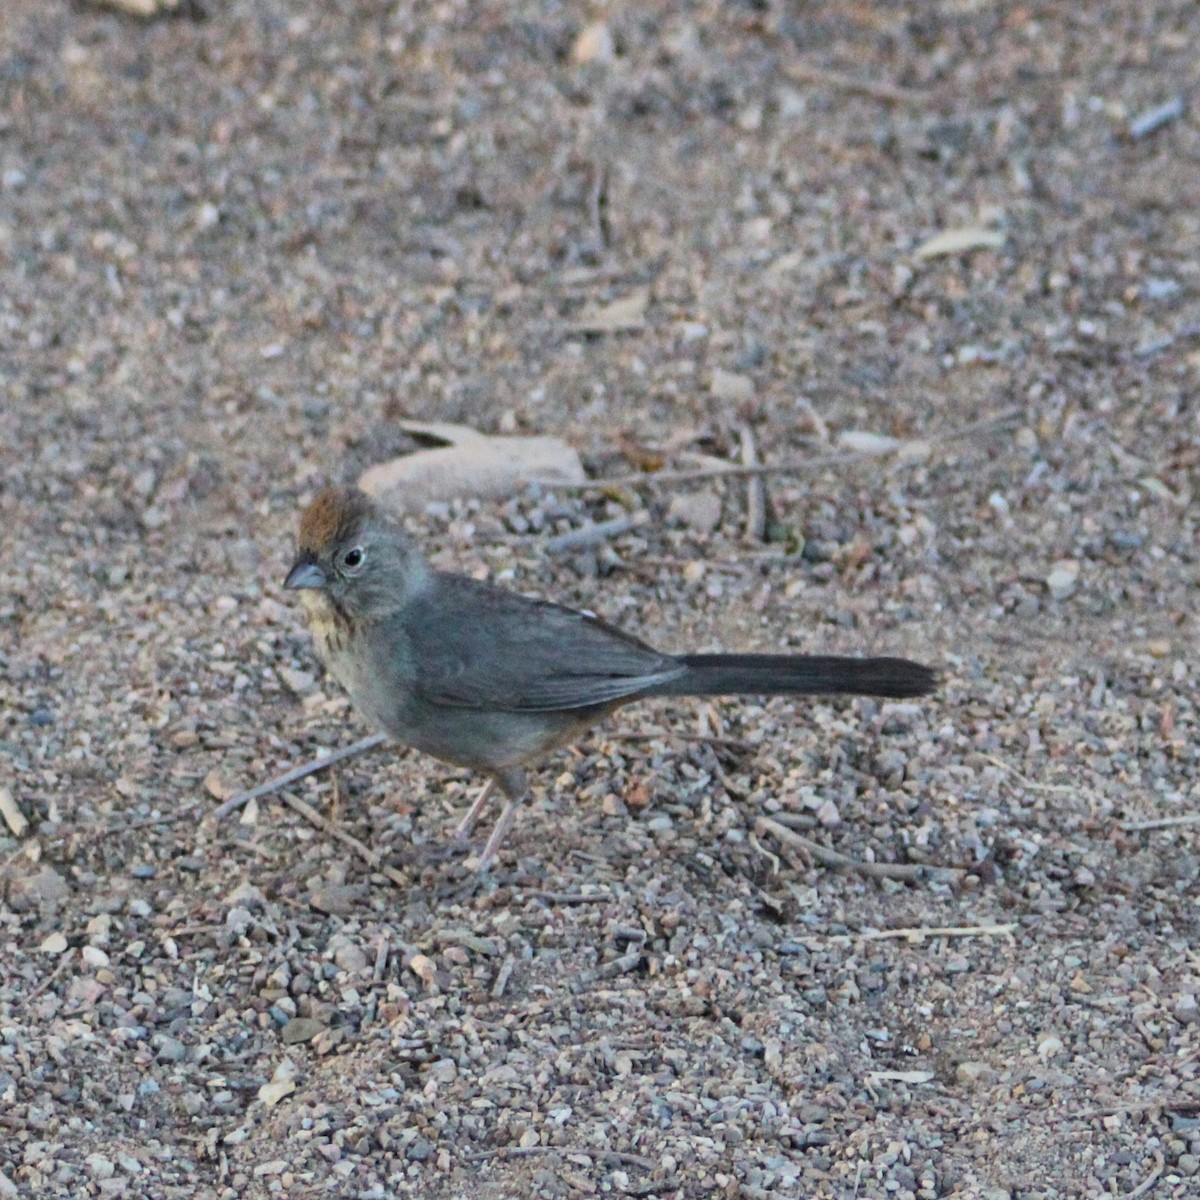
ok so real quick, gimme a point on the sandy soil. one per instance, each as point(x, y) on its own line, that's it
point(238, 245)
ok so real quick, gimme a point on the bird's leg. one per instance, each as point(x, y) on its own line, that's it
point(512, 784)
point(462, 830)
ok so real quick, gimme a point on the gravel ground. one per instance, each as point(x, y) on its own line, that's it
point(239, 244)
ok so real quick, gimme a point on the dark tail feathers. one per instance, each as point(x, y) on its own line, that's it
point(784, 674)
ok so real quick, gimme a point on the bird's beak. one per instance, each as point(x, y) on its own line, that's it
point(305, 574)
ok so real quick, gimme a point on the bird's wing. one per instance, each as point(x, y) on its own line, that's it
point(478, 646)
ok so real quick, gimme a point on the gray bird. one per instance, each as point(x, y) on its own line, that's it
point(488, 679)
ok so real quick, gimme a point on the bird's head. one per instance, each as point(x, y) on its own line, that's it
point(354, 557)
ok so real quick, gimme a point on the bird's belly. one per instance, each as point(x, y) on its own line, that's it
point(487, 741)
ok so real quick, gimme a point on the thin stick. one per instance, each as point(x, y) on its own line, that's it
point(66, 957)
point(570, 897)
point(757, 846)
point(1149, 349)
point(594, 534)
point(796, 466)
point(605, 1156)
point(1024, 780)
point(373, 857)
point(381, 957)
point(598, 206)
point(300, 772)
point(611, 969)
point(1161, 823)
point(671, 736)
point(887, 92)
point(756, 491)
point(915, 934)
point(502, 977)
point(1142, 1188)
point(831, 858)
point(147, 822)
point(1153, 119)
point(1134, 1106)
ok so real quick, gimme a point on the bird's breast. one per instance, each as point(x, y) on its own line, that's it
point(332, 631)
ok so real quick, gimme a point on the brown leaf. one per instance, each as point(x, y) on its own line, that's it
point(465, 462)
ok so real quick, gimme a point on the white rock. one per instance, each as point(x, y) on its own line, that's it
point(594, 44)
point(1048, 1047)
point(94, 957)
point(55, 943)
point(1063, 579)
point(699, 511)
point(731, 387)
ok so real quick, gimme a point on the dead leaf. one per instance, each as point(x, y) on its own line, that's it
point(956, 241)
point(469, 463)
point(624, 315)
point(283, 1083)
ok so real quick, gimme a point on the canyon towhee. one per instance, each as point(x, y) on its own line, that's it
point(488, 679)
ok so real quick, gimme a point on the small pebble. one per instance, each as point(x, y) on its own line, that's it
point(1063, 579)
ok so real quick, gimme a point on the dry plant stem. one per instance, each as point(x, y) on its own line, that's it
point(915, 934)
point(798, 466)
point(611, 969)
point(595, 534)
point(671, 736)
point(63, 962)
point(598, 206)
point(300, 772)
point(1161, 823)
point(618, 1156)
point(462, 830)
point(888, 93)
point(371, 857)
point(1024, 780)
point(181, 814)
point(571, 897)
point(1142, 1188)
point(831, 858)
point(502, 977)
point(507, 814)
point(1134, 1106)
point(756, 490)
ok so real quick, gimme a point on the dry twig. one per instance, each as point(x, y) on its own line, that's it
point(832, 858)
point(756, 490)
point(914, 934)
point(1161, 823)
point(594, 534)
point(502, 977)
point(571, 897)
point(823, 77)
point(1142, 1188)
point(1153, 119)
point(64, 959)
point(605, 1156)
point(300, 772)
point(795, 466)
point(372, 857)
point(1025, 781)
point(611, 969)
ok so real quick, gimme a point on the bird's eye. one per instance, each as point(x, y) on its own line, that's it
point(353, 558)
